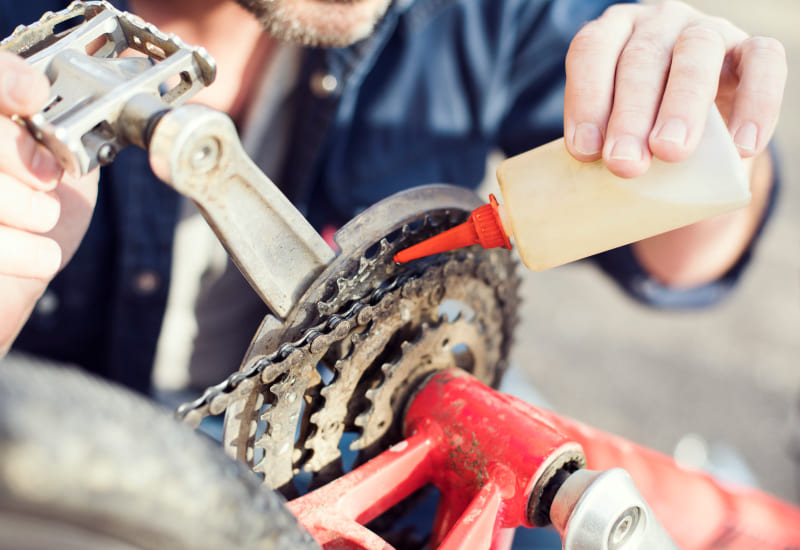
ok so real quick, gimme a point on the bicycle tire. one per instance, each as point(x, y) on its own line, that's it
point(86, 464)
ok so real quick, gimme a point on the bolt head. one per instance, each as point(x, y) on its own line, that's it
point(624, 527)
point(106, 154)
point(204, 156)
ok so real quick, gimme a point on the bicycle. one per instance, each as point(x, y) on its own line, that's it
point(359, 352)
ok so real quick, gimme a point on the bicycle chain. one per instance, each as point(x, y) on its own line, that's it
point(216, 399)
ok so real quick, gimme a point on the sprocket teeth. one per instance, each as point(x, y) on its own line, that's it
point(358, 444)
point(386, 369)
point(264, 440)
point(362, 419)
point(385, 247)
point(369, 293)
point(261, 467)
point(325, 391)
point(314, 418)
point(265, 415)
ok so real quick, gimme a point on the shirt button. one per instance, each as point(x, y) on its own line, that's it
point(146, 282)
point(47, 304)
point(324, 84)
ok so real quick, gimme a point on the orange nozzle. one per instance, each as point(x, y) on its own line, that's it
point(483, 227)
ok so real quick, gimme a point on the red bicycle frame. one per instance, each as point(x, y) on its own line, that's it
point(489, 455)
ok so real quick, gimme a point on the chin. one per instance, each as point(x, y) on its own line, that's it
point(330, 23)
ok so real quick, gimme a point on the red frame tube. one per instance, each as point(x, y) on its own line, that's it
point(485, 452)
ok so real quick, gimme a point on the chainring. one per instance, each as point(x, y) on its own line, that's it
point(340, 370)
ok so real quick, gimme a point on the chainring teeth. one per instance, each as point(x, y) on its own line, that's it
point(414, 296)
point(430, 351)
point(437, 337)
point(344, 319)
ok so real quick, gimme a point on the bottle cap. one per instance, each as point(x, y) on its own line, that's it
point(483, 227)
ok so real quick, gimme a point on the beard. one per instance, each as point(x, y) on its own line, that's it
point(326, 23)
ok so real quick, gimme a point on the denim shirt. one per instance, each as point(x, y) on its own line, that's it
point(439, 85)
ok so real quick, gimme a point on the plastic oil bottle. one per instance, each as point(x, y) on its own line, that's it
point(559, 209)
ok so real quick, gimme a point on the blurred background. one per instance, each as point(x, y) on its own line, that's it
point(722, 383)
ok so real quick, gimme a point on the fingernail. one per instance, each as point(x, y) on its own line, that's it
point(17, 87)
point(46, 210)
point(746, 137)
point(588, 139)
point(45, 166)
point(673, 130)
point(626, 148)
point(48, 258)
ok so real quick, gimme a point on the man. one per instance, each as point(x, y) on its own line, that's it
point(412, 92)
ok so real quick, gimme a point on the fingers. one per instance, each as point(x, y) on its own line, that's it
point(762, 69)
point(24, 208)
point(617, 68)
point(23, 90)
point(641, 80)
point(24, 254)
point(642, 71)
point(23, 158)
point(28, 175)
point(24, 214)
point(693, 84)
point(590, 66)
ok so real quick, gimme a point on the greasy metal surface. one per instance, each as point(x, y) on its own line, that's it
point(377, 327)
point(84, 123)
point(568, 460)
point(197, 151)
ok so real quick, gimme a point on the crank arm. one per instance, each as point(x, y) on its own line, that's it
point(197, 151)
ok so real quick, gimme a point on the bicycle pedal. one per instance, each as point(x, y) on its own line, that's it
point(110, 73)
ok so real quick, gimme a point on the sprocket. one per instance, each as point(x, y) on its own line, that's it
point(367, 331)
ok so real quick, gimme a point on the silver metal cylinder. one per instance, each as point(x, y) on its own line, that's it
point(605, 511)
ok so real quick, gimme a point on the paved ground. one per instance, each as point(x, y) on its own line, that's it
point(731, 374)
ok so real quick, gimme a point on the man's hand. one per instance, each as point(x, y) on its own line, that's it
point(641, 80)
point(43, 214)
